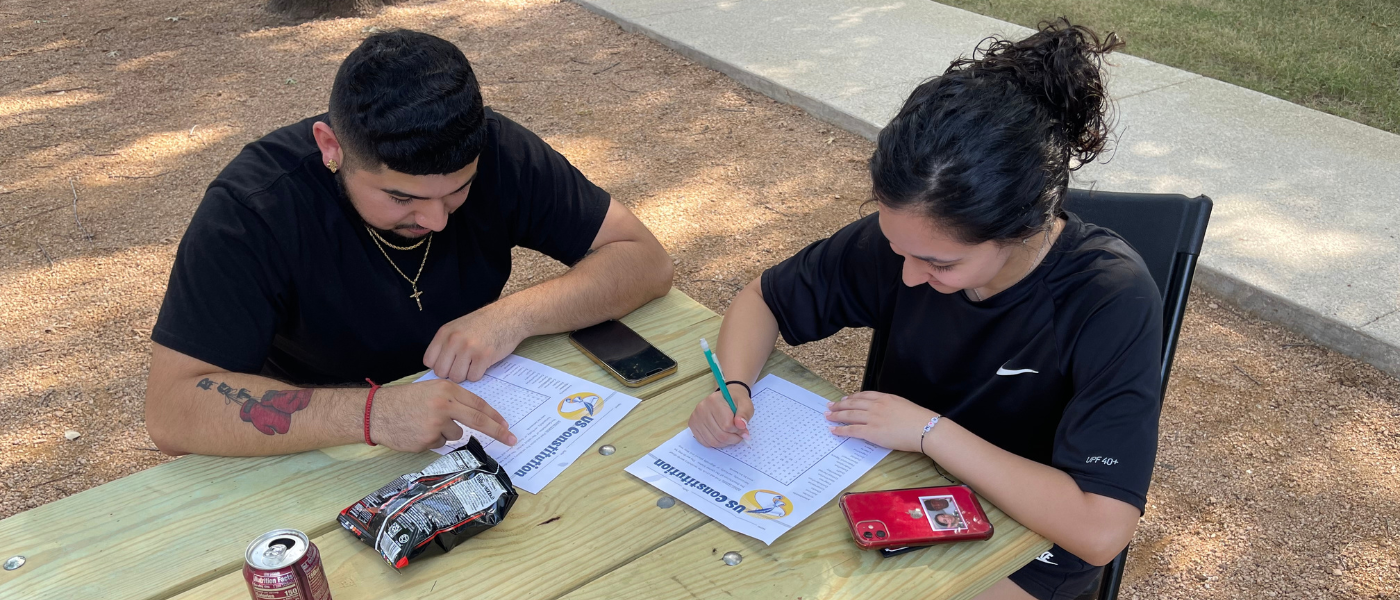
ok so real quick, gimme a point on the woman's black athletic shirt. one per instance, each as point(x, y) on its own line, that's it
point(1063, 368)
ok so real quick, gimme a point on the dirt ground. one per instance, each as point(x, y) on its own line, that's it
point(1276, 474)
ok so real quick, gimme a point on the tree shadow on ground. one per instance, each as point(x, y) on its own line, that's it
point(155, 100)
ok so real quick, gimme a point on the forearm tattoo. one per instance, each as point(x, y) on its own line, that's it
point(271, 414)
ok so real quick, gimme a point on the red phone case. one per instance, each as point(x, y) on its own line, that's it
point(915, 517)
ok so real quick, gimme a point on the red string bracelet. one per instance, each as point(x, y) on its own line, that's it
point(369, 402)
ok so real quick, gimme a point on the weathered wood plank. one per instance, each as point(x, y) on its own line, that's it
point(185, 522)
point(590, 520)
point(818, 559)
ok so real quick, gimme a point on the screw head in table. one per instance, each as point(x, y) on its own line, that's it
point(14, 562)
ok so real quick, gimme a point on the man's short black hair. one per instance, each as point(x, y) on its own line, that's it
point(408, 101)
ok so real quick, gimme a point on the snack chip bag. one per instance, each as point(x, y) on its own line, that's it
point(456, 497)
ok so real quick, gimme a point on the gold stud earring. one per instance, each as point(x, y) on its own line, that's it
point(331, 164)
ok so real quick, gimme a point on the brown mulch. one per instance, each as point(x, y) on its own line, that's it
point(1277, 470)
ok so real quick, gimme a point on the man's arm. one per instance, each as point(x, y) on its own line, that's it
point(625, 268)
point(195, 407)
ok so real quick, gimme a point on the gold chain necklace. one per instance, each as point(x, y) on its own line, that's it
point(413, 283)
point(386, 242)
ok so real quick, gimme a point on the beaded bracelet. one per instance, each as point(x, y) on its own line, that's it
point(927, 428)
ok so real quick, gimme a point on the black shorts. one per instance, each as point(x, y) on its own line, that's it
point(1056, 575)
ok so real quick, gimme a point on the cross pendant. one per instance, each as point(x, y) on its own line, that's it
point(415, 296)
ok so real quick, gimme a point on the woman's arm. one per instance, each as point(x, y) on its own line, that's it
point(1045, 499)
point(746, 338)
point(846, 280)
point(747, 335)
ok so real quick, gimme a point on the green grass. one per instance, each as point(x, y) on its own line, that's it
point(1338, 56)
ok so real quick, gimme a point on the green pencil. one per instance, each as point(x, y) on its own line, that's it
point(719, 375)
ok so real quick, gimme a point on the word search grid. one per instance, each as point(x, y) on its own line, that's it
point(512, 401)
point(787, 438)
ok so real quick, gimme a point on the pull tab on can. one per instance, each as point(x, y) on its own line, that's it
point(283, 563)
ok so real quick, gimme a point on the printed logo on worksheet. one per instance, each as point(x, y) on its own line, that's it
point(580, 405)
point(766, 504)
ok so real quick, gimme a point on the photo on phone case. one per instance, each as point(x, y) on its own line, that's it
point(942, 513)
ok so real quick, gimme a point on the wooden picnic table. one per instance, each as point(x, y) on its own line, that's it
point(178, 530)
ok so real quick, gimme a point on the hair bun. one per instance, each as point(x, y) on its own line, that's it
point(1060, 65)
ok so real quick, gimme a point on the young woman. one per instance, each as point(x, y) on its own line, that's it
point(1022, 346)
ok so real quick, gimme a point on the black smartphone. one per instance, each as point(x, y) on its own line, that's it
point(622, 352)
point(888, 552)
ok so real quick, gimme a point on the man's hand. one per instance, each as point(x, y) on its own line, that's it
point(624, 268)
point(715, 426)
point(419, 416)
point(885, 420)
point(465, 347)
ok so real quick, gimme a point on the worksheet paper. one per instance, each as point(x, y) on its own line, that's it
point(762, 487)
point(555, 417)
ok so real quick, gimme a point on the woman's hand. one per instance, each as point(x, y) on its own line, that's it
point(882, 419)
point(715, 426)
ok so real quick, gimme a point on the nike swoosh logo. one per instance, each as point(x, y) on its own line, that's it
point(1006, 371)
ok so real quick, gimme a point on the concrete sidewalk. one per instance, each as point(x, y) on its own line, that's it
point(1305, 221)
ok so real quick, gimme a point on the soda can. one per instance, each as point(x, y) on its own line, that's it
point(284, 565)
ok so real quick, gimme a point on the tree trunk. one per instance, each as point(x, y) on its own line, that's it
point(316, 9)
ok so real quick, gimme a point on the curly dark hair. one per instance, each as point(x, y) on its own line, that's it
point(986, 148)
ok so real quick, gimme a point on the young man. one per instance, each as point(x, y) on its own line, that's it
point(368, 243)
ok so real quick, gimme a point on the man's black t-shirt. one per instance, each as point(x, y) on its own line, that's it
point(1063, 368)
point(276, 274)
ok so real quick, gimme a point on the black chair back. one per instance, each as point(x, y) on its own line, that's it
point(1167, 231)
